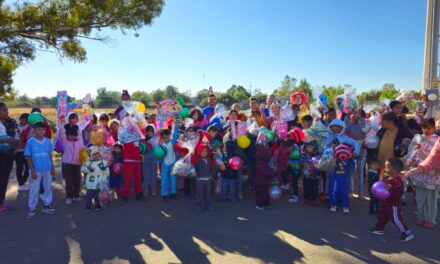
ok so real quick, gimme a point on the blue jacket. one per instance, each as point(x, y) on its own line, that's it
point(208, 112)
point(340, 138)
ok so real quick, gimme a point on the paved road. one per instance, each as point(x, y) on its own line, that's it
point(155, 231)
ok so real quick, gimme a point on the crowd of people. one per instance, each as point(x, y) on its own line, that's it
point(334, 154)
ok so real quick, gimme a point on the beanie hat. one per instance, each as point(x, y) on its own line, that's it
point(93, 150)
point(342, 152)
point(296, 134)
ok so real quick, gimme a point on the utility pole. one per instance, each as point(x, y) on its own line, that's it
point(431, 79)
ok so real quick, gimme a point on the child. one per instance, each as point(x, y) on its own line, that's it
point(373, 177)
point(281, 156)
point(97, 173)
point(204, 165)
point(168, 181)
point(264, 173)
point(22, 168)
point(86, 131)
point(132, 171)
point(72, 143)
point(38, 153)
point(294, 169)
point(426, 184)
point(199, 118)
point(311, 173)
point(116, 180)
point(114, 129)
point(391, 208)
point(228, 177)
point(338, 179)
point(104, 119)
point(149, 164)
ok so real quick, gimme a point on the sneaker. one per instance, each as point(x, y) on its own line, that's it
point(68, 201)
point(346, 210)
point(285, 187)
point(31, 213)
point(405, 238)
point(47, 209)
point(293, 199)
point(240, 196)
point(87, 209)
point(376, 231)
point(333, 209)
point(153, 192)
point(98, 208)
point(77, 199)
point(429, 225)
point(261, 208)
point(23, 188)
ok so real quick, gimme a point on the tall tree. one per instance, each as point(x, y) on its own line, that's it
point(170, 92)
point(59, 26)
point(106, 98)
point(141, 96)
point(287, 87)
point(331, 92)
point(157, 95)
point(306, 88)
point(238, 93)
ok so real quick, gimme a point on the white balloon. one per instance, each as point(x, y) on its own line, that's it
point(372, 141)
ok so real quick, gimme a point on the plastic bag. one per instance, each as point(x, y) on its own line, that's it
point(287, 112)
point(105, 194)
point(129, 131)
point(242, 128)
point(184, 168)
point(327, 162)
point(253, 128)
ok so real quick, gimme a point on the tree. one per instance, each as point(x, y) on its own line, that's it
point(202, 97)
point(141, 96)
point(238, 93)
point(331, 92)
point(157, 95)
point(306, 88)
point(261, 97)
point(388, 92)
point(59, 26)
point(170, 92)
point(106, 98)
point(286, 88)
point(369, 97)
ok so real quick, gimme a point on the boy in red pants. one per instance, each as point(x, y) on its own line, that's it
point(390, 209)
point(132, 171)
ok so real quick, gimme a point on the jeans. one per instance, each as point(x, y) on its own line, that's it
point(167, 181)
point(92, 195)
point(228, 183)
point(149, 167)
point(46, 179)
point(22, 169)
point(358, 171)
point(72, 175)
point(426, 204)
point(203, 189)
point(6, 163)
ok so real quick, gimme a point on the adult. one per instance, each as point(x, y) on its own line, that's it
point(357, 128)
point(120, 111)
point(270, 99)
point(391, 139)
point(208, 111)
point(8, 127)
point(329, 116)
point(255, 112)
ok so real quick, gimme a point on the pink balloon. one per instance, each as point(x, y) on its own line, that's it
point(117, 168)
point(235, 163)
point(379, 191)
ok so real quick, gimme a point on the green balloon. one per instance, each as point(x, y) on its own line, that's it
point(35, 117)
point(158, 152)
point(270, 136)
point(142, 148)
point(184, 113)
point(179, 100)
point(295, 155)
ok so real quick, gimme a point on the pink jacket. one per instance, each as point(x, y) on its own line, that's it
point(71, 148)
point(432, 162)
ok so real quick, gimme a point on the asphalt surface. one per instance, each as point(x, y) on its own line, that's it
point(156, 231)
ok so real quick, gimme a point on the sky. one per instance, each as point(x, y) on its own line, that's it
point(195, 44)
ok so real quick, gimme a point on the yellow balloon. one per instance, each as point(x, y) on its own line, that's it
point(83, 155)
point(141, 108)
point(243, 141)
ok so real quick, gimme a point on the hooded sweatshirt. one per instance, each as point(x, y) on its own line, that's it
point(71, 148)
point(152, 142)
point(357, 131)
point(203, 166)
point(340, 138)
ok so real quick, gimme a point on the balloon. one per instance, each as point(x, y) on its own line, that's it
point(275, 192)
point(140, 108)
point(235, 163)
point(323, 99)
point(83, 155)
point(97, 137)
point(295, 155)
point(184, 113)
point(142, 148)
point(59, 147)
point(4, 147)
point(117, 168)
point(35, 117)
point(379, 191)
point(243, 141)
point(52, 124)
point(372, 141)
point(179, 100)
point(159, 152)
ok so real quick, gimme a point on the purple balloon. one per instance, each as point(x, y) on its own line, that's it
point(379, 191)
point(58, 147)
point(275, 192)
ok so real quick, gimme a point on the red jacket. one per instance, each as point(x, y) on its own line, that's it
point(396, 192)
point(132, 152)
point(195, 158)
